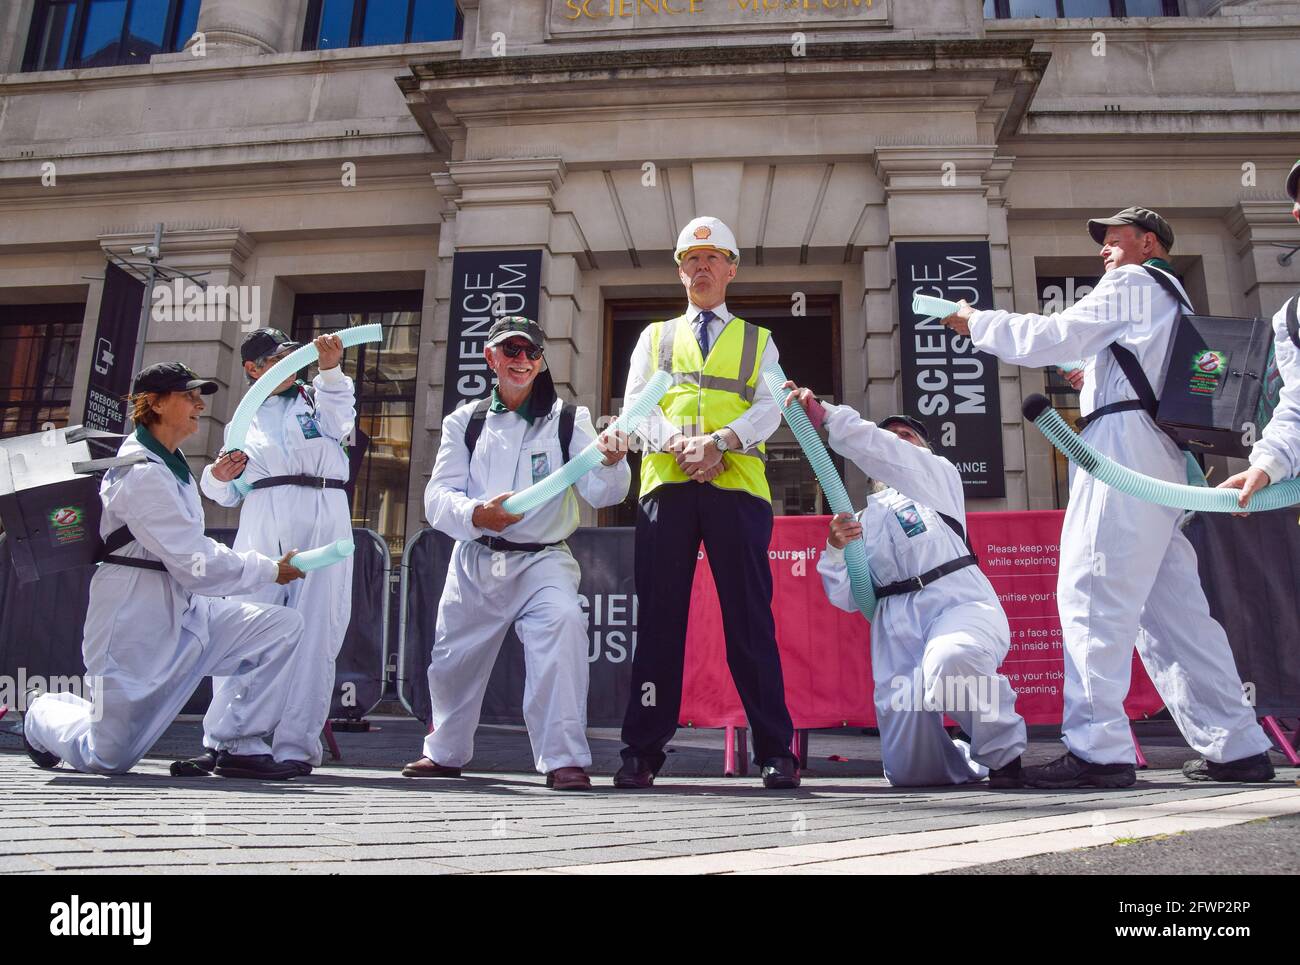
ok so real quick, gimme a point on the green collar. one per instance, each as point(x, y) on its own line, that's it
point(525, 409)
point(291, 392)
point(1161, 264)
point(175, 461)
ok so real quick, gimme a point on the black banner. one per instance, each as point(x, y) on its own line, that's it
point(946, 384)
point(41, 628)
point(607, 595)
point(1250, 568)
point(114, 353)
point(485, 285)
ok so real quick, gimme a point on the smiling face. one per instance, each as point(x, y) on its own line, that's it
point(178, 412)
point(705, 273)
point(1130, 245)
point(516, 374)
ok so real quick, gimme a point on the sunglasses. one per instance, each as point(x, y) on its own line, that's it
point(512, 350)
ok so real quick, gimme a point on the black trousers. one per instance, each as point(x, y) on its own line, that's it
point(736, 529)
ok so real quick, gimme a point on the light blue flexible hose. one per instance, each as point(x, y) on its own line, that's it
point(261, 390)
point(1195, 474)
point(855, 554)
point(323, 556)
point(568, 474)
point(1199, 499)
point(931, 307)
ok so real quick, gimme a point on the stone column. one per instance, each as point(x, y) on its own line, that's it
point(933, 192)
point(206, 341)
point(507, 204)
point(238, 28)
point(1265, 230)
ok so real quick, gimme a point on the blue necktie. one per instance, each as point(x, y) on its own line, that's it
point(702, 330)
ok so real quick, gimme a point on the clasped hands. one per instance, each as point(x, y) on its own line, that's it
point(698, 456)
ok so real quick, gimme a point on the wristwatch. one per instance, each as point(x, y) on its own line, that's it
point(720, 442)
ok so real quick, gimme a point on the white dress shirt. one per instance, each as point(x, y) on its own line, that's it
point(753, 427)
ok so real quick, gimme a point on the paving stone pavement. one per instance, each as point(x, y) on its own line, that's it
point(347, 819)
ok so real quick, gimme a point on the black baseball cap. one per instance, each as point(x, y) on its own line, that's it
point(1293, 183)
point(1143, 218)
point(265, 342)
point(511, 325)
point(171, 377)
point(916, 425)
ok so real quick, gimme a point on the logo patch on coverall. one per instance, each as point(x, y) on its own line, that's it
point(909, 517)
point(310, 430)
point(541, 466)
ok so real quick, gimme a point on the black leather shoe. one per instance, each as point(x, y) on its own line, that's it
point(200, 766)
point(781, 774)
point(634, 775)
point(42, 759)
point(1248, 770)
point(1008, 775)
point(262, 767)
point(1069, 771)
point(301, 768)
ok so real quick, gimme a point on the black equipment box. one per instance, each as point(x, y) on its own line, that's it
point(49, 504)
point(1221, 383)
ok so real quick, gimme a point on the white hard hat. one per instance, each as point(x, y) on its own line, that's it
point(706, 232)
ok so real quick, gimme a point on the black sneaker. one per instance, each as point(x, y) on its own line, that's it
point(1247, 770)
point(200, 766)
point(261, 767)
point(43, 759)
point(1071, 771)
point(1008, 775)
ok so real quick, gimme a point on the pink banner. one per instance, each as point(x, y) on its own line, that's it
point(825, 652)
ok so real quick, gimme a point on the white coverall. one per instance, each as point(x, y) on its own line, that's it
point(287, 438)
point(1125, 564)
point(941, 646)
point(151, 637)
point(1277, 451)
point(487, 591)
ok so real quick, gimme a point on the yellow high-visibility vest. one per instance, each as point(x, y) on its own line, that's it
point(707, 394)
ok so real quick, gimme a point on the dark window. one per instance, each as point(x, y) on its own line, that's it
point(1054, 9)
point(809, 353)
point(384, 373)
point(366, 23)
point(106, 33)
point(38, 357)
point(1055, 294)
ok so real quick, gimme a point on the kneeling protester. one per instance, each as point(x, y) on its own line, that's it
point(153, 629)
point(939, 632)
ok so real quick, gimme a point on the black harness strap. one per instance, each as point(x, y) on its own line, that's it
point(497, 544)
point(115, 541)
point(478, 418)
point(1146, 396)
point(925, 579)
point(307, 482)
point(916, 583)
point(474, 427)
point(1293, 321)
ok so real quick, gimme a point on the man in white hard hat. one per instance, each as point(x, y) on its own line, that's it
point(703, 479)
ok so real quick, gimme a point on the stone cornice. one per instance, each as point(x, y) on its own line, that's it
point(1002, 74)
